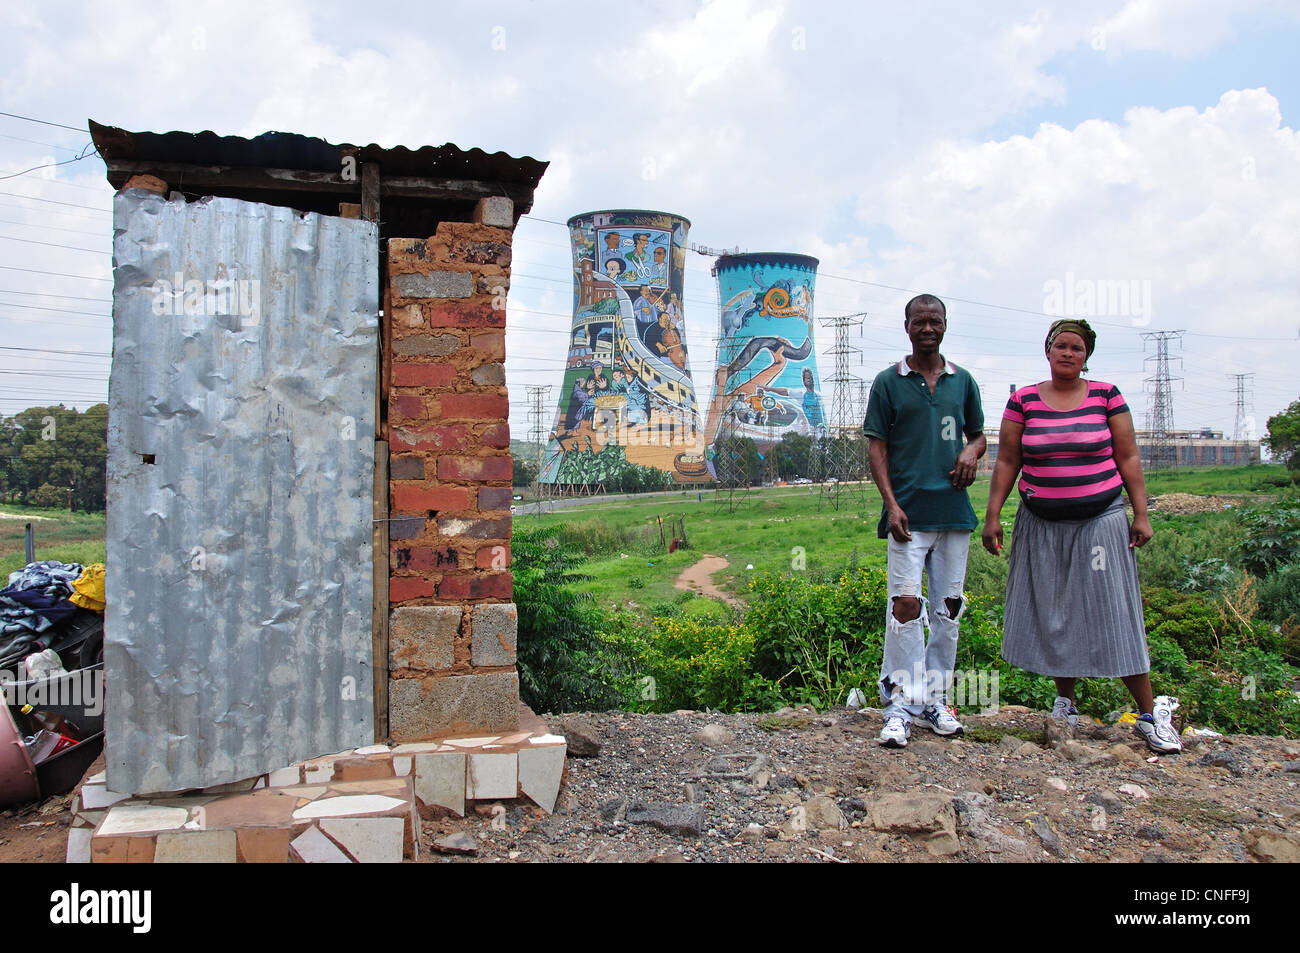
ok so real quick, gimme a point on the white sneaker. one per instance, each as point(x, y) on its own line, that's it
point(895, 733)
point(1157, 729)
point(941, 721)
point(1063, 710)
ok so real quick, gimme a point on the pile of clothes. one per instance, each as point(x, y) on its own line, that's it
point(39, 597)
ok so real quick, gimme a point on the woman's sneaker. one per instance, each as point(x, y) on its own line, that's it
point(1157, 729)
point(941, 720)
point(1063, 710)
point(895, 733)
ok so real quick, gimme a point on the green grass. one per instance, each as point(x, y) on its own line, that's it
point(768, 526)
point(1209, 481)
point(67, 537)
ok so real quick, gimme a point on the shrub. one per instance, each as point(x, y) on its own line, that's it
point(1189, 544)
point(1188, 620)
point(1272, 537)
point(699, 664)
point(567, 657)
point(817, 641)
point(49, 496)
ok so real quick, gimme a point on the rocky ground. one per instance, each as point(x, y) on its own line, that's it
point(798, 785)
point(807, 786)
point(1183, 504)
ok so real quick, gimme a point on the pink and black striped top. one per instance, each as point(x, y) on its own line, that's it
point(1068, 467)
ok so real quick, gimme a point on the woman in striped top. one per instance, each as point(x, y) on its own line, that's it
point(1074, 609)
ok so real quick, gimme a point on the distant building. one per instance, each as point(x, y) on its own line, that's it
point(1192, 448)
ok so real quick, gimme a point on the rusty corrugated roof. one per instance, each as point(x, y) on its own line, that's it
point(287, 150)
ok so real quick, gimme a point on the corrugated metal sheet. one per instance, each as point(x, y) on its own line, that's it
point(284, 150)
point(240, 480)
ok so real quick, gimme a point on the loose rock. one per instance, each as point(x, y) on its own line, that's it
point(714, 735)
point(581, 737)
point(686, 820)
point(929, 819)
point(823, 814)
point(458, 843)
point(1224, 759)
point(1272, 847)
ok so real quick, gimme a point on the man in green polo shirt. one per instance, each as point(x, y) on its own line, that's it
point(926, 427)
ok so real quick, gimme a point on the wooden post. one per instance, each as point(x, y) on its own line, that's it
point(379, 622)
point(370, 191)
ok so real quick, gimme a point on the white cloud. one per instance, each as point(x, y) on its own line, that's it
point(1198, 206)
point(855, 133)
point(1182, 27)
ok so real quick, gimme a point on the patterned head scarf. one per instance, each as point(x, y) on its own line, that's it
point(1076, 325)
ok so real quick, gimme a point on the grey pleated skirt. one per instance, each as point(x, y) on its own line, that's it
point(1073, 607)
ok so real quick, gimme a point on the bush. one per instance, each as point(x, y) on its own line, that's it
point(49, 496)
point(1272, 537)
point(570, 656)
point(1186, 620)
point(1279, 594)
point(813, 640)
point(1183, 542)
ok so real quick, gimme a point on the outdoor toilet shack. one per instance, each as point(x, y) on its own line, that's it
point(309, 468)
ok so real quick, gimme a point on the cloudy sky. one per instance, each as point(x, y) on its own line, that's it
point(1012, 157)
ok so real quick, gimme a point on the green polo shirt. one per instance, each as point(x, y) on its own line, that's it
point(924, 432)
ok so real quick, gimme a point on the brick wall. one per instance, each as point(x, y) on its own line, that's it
point(452, 624)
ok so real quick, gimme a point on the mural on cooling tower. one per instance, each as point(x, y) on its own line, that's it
point(627, 400)
point(766, 382)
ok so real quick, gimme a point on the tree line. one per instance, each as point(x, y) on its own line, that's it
point(55, 457)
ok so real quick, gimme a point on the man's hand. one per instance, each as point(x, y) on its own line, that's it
point(992, 535)
point(1140, 533)
point(963, 474)
point(898, 525)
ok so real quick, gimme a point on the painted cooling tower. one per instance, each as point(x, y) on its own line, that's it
point(627, 404)
point(766, 382)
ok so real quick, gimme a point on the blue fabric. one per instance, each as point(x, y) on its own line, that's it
point(37, 597)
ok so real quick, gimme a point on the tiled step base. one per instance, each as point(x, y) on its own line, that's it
point(338, 822)
point(287, 815)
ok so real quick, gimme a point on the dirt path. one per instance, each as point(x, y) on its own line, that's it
point(699, 577)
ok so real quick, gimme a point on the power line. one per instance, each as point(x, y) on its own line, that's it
point(57, 274)
point(32, 241)
point(43, 122)
point(1160, 421)
point(33, 198)
point(50, 165)
point(1242, 381)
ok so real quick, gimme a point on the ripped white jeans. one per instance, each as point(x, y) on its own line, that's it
point(915, 673)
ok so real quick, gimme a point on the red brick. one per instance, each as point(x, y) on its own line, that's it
point(447, 314)
point(476, 406)
point(415, 498)
point(497, 437)
point(492, 557)
point(407, 407)
point(428, 438)
point(456, 526)
point(423, 558)
point(494, 498)
point(423, 375)
point(491, 343)
point(495, 585)
point(454, 587)
point(475, 468)
point(406, 468)
point(401, 588)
